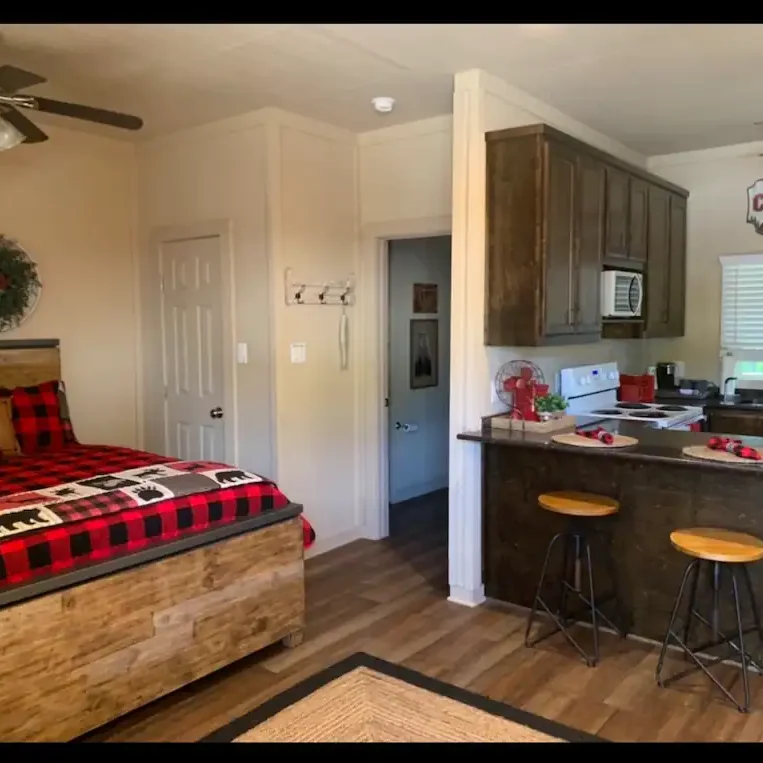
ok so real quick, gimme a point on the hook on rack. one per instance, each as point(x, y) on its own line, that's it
point(340, 293)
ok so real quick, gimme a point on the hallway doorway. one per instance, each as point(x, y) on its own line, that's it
point(418, 363)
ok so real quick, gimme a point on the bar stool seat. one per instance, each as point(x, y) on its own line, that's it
point(581, 509)
point(716, 545)
point(724, 554)
point(575, 504)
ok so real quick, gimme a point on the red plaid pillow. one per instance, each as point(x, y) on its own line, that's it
point(37, 418)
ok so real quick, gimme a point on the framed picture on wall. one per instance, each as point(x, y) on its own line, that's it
point(425, 298)
point(425, 360)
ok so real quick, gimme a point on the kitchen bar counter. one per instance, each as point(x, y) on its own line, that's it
point(662, 445)
point(659, 490)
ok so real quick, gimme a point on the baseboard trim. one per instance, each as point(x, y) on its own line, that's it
point(466, 597)
point(322, 545)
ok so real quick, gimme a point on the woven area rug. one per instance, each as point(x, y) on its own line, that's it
point(366, 699)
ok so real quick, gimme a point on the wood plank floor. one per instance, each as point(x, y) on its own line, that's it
point(388, 599)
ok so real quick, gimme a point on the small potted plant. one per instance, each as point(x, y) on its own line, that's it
point(550, 406)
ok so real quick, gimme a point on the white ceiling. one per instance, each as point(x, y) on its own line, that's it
point(658, 88)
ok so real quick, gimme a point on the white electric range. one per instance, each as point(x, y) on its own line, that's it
point(592, 391)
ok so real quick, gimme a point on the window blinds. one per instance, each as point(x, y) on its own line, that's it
point(742, 302)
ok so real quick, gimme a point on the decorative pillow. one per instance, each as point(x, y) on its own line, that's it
point(63, 405)
point(8, 443)
point(37, 418)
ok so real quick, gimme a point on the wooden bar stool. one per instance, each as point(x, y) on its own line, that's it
point(580, 508)
point(725, 554)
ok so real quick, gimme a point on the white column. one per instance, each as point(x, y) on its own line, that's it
point(469, 382)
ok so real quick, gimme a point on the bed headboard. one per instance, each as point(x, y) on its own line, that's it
point(25, 362)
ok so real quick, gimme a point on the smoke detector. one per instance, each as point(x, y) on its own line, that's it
point(383, 104)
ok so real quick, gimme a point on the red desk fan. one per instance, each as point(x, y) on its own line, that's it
point(518, 383)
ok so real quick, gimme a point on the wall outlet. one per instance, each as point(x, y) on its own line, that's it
point(298, 352)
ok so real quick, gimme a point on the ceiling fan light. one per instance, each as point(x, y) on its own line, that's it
point(10, 137)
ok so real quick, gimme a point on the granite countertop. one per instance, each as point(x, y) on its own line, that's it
point(737, 404)
point(660, 445)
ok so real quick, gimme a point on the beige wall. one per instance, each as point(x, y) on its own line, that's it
point(70, 203)
point(288, 188)
point(213, 173)
point(405, 171)
point(312, 187)
point(717, 180)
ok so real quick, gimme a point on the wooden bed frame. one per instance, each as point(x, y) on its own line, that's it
point(82, 648)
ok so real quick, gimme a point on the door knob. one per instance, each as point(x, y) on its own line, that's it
point(216, 413)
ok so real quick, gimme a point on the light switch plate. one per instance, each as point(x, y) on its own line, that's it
point(242, 353)
point(298, 352)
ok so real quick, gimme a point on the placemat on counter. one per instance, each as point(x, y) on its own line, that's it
point(708, 454)
point(578, 441)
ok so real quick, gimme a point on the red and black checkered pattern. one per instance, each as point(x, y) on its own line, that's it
point(37, 418)
point(56, 549)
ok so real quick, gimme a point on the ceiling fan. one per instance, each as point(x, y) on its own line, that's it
point(25, 131)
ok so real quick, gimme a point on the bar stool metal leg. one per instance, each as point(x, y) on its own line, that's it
point(742, 650)
point(666, 641)
point(560, 618)
point(753, 601)
point(538, 600)
point(692, 606)
point(719, 638)
point(591, 593)
point(577, 559)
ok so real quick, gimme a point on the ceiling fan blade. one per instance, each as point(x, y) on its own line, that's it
point(31, 132)
point(12, 79)
point(88, 113)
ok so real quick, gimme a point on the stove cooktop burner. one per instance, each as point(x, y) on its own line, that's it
point(608, 412)
point(673, 408)
point(650, 415)
point(633, 406)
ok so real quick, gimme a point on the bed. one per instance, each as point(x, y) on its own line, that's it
point(125, 575)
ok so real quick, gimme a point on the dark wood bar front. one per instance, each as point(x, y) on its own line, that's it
point(659, 490)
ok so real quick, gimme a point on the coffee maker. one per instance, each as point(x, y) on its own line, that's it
point(666, 376)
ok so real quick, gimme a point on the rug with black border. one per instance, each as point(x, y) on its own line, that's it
point(367, 699)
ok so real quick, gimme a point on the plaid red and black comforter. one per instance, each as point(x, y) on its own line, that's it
point(75, 506)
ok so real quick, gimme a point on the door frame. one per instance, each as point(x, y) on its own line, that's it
point(221, 229)
point(373, 377)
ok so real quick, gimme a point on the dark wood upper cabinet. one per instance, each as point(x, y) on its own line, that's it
point(591, 183)
point(545, 214)
point(559, 234)
point(658, 263)
point(557, 211)
point(618, 195)
point(666, 264)
point(677, 268)
point(638, 211)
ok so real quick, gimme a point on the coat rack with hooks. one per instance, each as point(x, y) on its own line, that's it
point(340, 293)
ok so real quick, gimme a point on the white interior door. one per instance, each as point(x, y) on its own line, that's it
point(192, 304)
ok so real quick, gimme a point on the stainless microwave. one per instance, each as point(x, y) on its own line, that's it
point(622, 294)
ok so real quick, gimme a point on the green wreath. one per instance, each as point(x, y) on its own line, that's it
point(19, 284)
